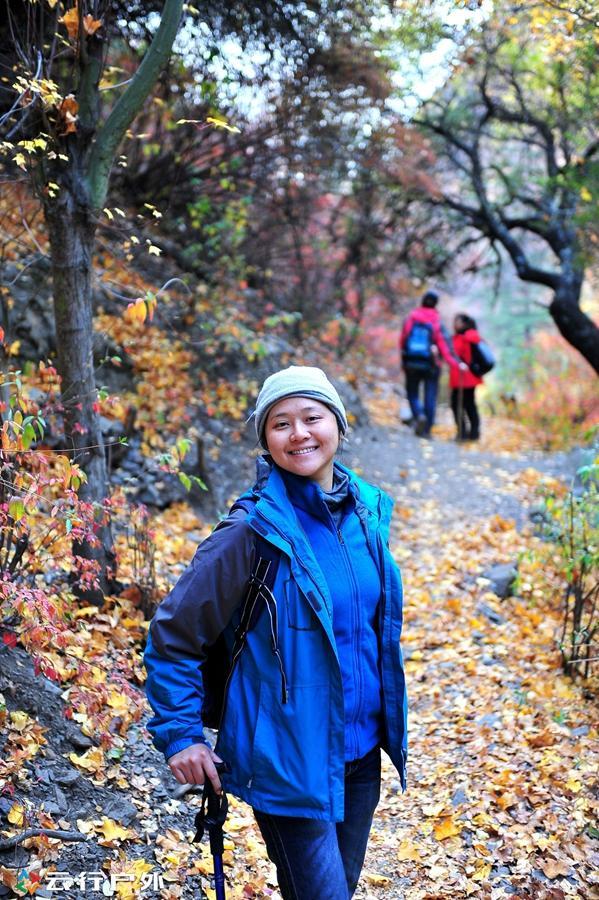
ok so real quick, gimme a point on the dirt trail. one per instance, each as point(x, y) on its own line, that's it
point(503, 750)
point(471, 480)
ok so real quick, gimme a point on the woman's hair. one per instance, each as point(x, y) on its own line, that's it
point(467, 321)
point(430, 299)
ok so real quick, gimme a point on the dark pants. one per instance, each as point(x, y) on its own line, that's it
point(469, 426)
point(430, 380)
point(322, 860)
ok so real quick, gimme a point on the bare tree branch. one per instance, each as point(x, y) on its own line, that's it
point(15, 839)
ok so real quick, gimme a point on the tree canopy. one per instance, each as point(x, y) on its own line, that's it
point(515, 130)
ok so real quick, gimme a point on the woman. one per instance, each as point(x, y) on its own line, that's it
point(463, 382)
point(319, 687)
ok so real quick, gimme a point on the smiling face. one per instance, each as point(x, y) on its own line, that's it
point(302, 436)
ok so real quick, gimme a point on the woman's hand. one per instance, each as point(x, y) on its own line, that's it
point(194, 764)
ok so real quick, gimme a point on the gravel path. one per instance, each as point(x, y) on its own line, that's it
point(470, 479)
point(470, 662)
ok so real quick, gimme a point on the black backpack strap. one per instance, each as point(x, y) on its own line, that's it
point(259, 596)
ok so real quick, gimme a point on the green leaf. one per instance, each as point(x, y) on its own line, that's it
point(198, 481)
point(115, 752)
point(28, 436)
point(183, 445)
point(185, 481)
point(16, 509)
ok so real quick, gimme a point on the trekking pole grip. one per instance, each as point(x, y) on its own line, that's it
point(212, 813)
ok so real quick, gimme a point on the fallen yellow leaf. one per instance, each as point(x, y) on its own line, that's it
point(16, 815)
point(92, 760)
point(20, 720)
point(573, 784)
point(372, 878)
point(433, 809)
point(483, 873)
point(446, 828)
point(437, 872)
point(112, 831)
point(408, 851)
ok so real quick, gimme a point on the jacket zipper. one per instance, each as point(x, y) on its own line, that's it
point(381, 554)
point(356, 628)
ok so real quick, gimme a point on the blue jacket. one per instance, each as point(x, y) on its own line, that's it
point(286, 757)
point(349, 567)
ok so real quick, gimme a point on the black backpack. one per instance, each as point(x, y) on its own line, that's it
point(417, 353)
point(220, 660)
point(482, 359)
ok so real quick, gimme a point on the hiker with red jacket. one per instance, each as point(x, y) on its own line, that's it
point(463, 382)
point(423, 341)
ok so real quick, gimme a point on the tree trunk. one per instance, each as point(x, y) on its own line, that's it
point(574, 325)
point(71, 231)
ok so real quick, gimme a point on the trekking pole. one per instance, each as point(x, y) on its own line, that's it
point(211, 817)
point(461, 408)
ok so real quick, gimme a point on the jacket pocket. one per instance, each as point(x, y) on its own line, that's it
point(291, 751)
point(298, 610)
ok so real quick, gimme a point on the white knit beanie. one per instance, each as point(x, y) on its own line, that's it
point(297, 381)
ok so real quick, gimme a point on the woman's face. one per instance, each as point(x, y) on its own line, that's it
point(458, 324)
point(302, 436)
